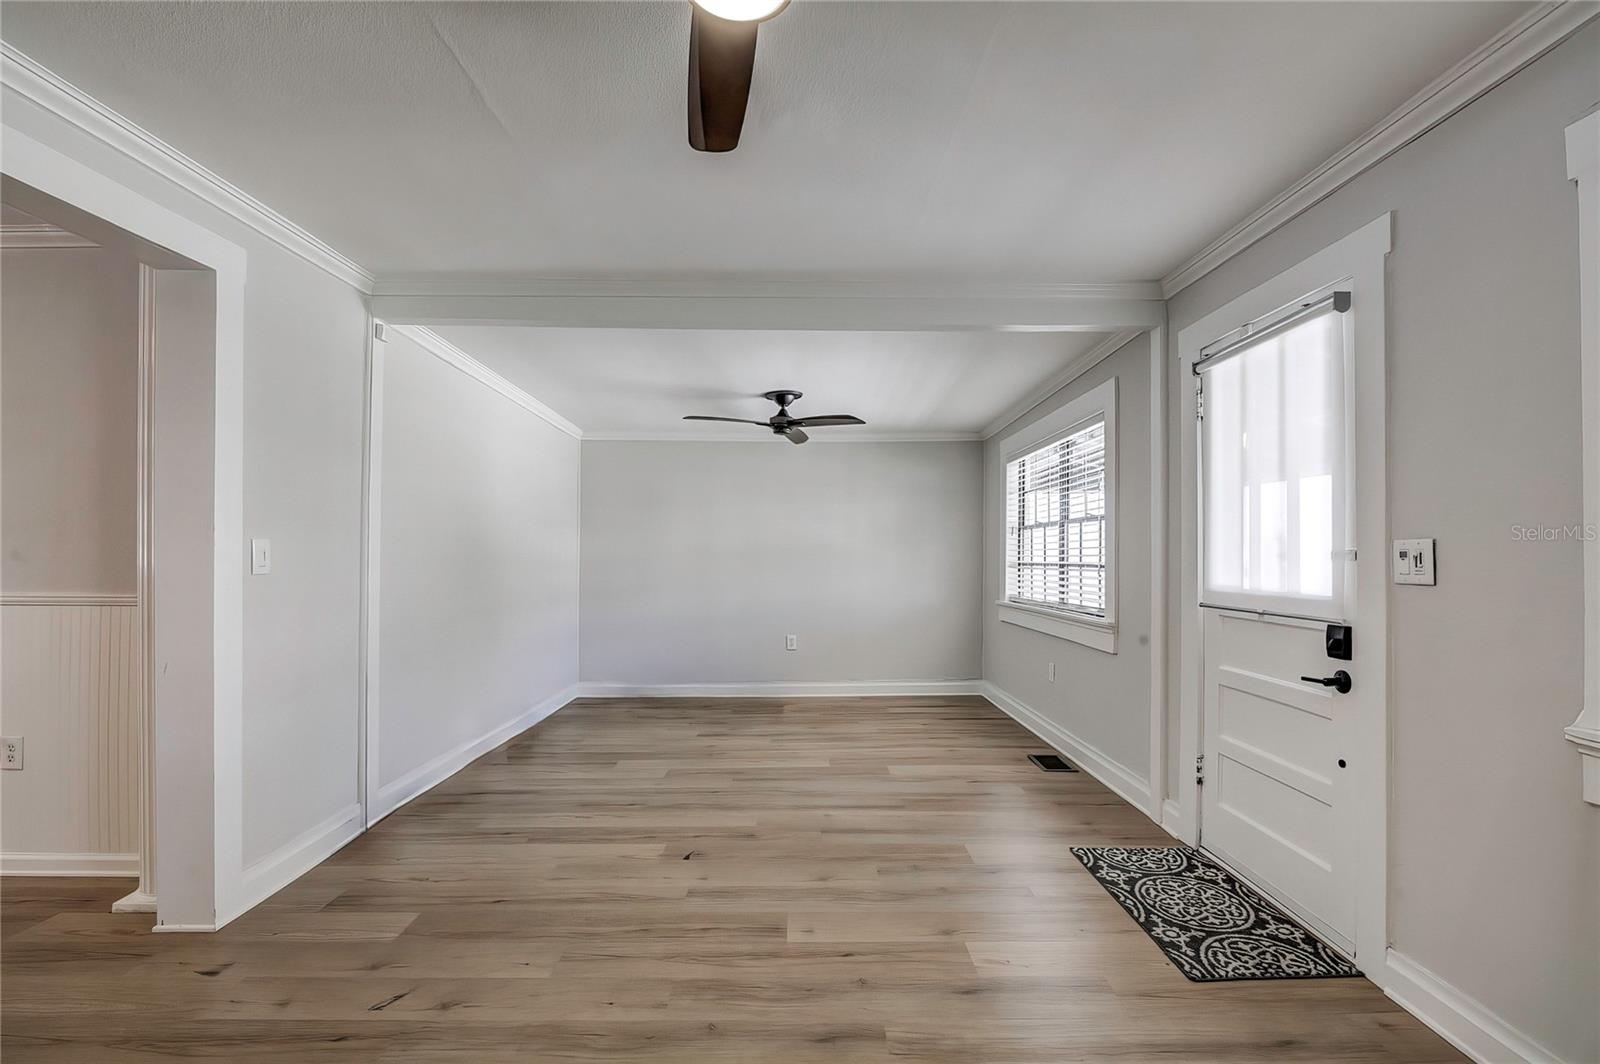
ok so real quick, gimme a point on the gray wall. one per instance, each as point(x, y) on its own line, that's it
point(479, 557)
point(1102, 699)
point(304, 382)
point(1493, 871)
point(70, 369)
point(698, 558)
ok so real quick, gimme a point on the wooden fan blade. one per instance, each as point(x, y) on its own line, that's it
point(736, 420)
point(796, 435)
point(829, 419)
point(722, 53)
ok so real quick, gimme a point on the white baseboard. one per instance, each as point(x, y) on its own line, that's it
point(846, 689)
point(185, 929)
point(1460, 1019)
point(423, 778)
point(1109, 771)
point(136, 902)
point(69, 864)
point(295, 858)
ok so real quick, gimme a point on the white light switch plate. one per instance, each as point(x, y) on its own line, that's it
point(1414, 562)
point(260, 557)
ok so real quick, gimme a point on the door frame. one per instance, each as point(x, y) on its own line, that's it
point(192, 805)
point(1358, 260)
point(142, 899)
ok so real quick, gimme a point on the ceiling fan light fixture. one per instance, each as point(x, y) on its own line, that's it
point(741, 10)
point(782, 424)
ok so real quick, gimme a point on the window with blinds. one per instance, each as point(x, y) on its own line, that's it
point(1056, 530)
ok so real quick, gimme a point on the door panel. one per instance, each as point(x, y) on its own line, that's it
point(1251, 708)
point(1272, 804)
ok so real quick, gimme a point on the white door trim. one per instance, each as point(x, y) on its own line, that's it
point(1159, 427)
point(143, 898)
point(372, 538)
point(1583, 166)
point(1358, 259)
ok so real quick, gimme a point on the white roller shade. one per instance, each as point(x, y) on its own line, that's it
point(1273, 442)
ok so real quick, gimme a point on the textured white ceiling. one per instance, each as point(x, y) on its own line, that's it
point(995, 141)
point(645, 380)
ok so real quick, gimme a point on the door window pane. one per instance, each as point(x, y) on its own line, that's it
point(1272, 445)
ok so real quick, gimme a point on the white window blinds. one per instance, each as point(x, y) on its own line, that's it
point(1056, 523)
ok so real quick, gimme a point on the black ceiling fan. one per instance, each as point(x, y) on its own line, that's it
point(722, 55)
point(781, 423)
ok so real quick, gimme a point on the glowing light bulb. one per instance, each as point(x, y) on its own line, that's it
point(742, 10)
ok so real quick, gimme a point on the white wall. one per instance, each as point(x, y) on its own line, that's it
point(479, 566)
point(1102, 700)
point(70, 679)
point(698, 558)
point(304, 367)
point(69, 359)
point(1495, 870)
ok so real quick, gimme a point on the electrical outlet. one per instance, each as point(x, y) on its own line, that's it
point(1052, 672)
point(11, 753)
point(791, 642)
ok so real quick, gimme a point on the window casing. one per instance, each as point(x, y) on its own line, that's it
point(1059, 522)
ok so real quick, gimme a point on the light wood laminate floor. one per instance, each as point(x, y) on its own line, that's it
point(688, 880)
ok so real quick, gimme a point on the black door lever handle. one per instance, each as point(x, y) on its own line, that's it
point(1339, 681)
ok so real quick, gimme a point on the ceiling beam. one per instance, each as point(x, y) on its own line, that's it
point(843, 306)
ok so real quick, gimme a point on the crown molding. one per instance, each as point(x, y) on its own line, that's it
point(770, 287)
point(445, 351)
point(1073, 370)
point(763, 440)
point(41, 235)
point(1519, 44)
point(34, 82)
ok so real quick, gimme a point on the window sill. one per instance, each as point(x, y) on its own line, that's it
point(1095, 634)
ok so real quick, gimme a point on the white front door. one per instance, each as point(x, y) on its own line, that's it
point(1277, 528)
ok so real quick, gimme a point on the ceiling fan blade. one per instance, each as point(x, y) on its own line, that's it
point(722, 53)
point(796, 435)
point(829, 419)
point(735, 420)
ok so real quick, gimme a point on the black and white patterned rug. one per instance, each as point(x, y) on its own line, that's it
point(1213, 927)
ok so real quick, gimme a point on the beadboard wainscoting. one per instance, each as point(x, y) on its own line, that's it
point(71, 690)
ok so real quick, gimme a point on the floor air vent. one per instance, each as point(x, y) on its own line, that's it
point(1052, 763)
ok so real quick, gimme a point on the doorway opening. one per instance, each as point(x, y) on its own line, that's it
point(111, 607)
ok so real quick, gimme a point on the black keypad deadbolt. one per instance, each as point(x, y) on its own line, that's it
point(1341, 642)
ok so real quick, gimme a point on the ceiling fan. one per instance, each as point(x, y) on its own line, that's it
point(722, 54)
point(781, 423)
